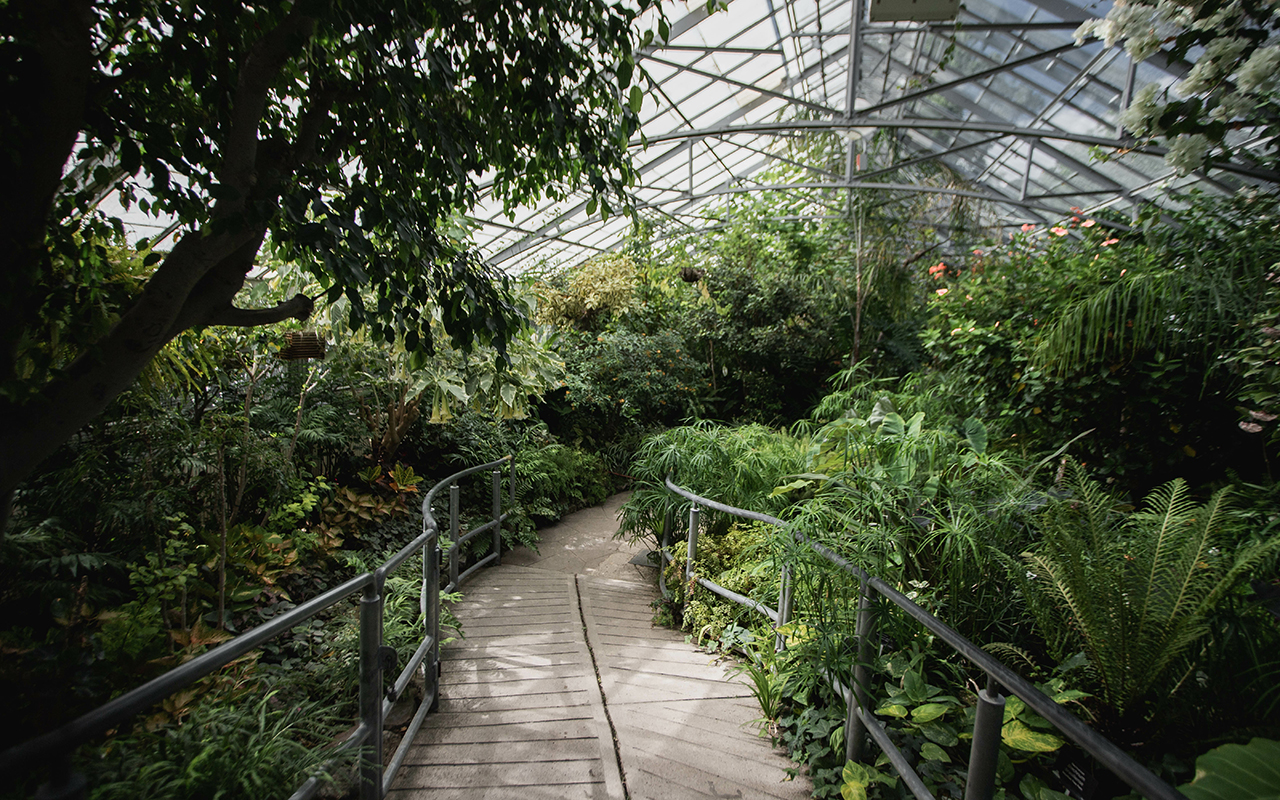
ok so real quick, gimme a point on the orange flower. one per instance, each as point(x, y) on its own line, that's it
point(1109, 242)
point(1028, 227)
point(1088, 223)
point(1058, 231)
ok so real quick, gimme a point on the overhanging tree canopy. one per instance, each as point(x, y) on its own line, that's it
point(345, 129)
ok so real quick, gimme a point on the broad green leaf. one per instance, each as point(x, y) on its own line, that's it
point(915, 687)
point(854, 781)
point(928, 712)
point(893, 425)
point(930, 488)
point(1237, 772)
point(932, 752)
point(637, 98)
point(892, 710)
point(1020, 737)
point(1068, 695)
point(791, 487)
point(1013, 706)
point(975, 433)
point(883, 408)
point(940, 732)
point(916, 424)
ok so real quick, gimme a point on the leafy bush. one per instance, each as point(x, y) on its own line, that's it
point(736, 466)
point(263, 750)
point(1135, 591)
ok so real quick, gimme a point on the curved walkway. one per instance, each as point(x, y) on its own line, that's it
point(563, 689)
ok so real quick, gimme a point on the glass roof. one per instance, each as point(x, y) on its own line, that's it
point(1001, 95)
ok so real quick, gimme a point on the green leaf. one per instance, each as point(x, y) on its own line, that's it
point(915, 687)
point(1013, 706)
point(975, 433)
point(932, 752)
point(637, 99)
point(1020, 737)
point(854, 781)
point(887, 709)
point(893, 425)
point(940, 732)
point(883, 408)
point(791, 487)
point(928, 712)
point(1237, 772)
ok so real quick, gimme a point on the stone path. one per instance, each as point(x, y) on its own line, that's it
point(563, 689)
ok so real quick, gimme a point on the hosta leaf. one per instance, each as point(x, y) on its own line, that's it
point(1020, 737)
point(928, 712)
point(1237, 772)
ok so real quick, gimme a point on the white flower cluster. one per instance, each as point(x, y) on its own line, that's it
point(1188, 152)
point(1233, 75)
point(1141, 115)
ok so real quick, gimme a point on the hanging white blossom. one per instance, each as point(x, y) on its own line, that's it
point(1234, 82)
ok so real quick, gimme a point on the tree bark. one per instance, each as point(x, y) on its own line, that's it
point(194, 286)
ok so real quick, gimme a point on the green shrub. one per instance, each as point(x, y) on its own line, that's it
point(256, 752)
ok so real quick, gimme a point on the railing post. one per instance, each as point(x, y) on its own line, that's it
point(668, 525)
point(984, 753)
point(692, 552)
point(431, 585)
point(854, 730)
point(784, 607)
point(511, 484)
point(455, 510)
point(497, 516)
point(371, 691)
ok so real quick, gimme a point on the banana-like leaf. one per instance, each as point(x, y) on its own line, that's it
point(1237, 772)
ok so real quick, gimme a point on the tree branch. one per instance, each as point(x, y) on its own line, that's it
point(298, 307)
point(260, 69)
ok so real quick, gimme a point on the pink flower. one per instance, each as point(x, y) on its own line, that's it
point(1251, 427)
point(1058, 231)
point(1028, 227)
point(1109, 242)
point(1088, 223)
point(941, 292)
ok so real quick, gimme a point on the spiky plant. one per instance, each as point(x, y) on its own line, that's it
point(1134, 590)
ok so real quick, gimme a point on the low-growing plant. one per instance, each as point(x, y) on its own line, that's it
point(252, 751)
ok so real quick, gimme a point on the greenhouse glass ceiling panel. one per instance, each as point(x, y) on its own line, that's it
point(1002, 96)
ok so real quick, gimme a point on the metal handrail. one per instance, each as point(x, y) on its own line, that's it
point(56, 747)
point(991, 702)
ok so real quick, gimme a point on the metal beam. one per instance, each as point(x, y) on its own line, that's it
point(779, 128)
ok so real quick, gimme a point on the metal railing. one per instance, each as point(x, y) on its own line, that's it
point(54, 750)
point(985, 748)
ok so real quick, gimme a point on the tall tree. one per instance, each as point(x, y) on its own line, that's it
point(344, 129)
